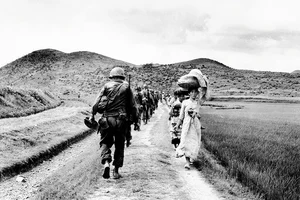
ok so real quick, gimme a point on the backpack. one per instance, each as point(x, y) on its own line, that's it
point(106, 99)
point(102, 104)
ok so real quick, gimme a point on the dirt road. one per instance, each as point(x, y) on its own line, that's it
point(150, 171)
point(153, 172)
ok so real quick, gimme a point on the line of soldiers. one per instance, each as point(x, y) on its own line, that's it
point(147, 102)
point(119, 108)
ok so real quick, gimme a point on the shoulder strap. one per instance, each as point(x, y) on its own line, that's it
point(114, 91)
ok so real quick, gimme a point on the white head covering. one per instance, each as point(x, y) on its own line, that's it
point(203, 83)
point(199, 76)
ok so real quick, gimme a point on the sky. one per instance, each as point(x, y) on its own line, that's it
point(261, 35)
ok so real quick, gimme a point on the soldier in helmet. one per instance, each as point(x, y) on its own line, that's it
point(117, 107)
point(145, 103)
point(152, 102)
point(139, 101)
point(156, 98)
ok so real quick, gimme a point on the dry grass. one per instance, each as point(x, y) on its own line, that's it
point(72, 182)
point(17, 102)
point(259, 145)
point(25, 141)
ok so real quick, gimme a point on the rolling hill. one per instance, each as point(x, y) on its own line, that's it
point(224, 81)
point(201, 61)
point(296, 71)
point(59, 72)
point(70, 75)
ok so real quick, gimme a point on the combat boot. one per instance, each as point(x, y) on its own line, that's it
point(106, 173)
point(116, 174)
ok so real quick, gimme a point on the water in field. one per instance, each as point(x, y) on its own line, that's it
point(282, 112)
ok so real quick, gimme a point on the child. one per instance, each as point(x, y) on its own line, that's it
point(189, 118)
point(174, 117)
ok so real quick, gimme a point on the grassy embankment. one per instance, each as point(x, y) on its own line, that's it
point(26, 141)
point(259, 145)
point(18, 102)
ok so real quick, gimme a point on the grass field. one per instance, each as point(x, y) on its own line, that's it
point(258, 144)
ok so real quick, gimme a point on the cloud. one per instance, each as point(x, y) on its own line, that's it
point(168, 26)
point(237, 33)
point(254, 41)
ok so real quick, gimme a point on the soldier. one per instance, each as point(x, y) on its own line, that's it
point(117, 105)
point(164, 98)
point(152, 102)
point(156, 99)
point(138, 96)
point(146, 100)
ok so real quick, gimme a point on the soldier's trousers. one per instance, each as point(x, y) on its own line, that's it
point(145, 113)
point(140, 116)
point(115, 134)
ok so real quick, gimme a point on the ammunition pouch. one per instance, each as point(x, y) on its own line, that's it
point(123, 116)
point(120, 115)
point(103, 124)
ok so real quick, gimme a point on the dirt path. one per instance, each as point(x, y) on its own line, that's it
point(153, 172)
point(150, 172)
point(14, 190)
point(25, 138)
point(59, 113)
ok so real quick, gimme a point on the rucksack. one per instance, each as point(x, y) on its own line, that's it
point(106, 99)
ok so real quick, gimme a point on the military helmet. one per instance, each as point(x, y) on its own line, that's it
point(90, 123)
point(117, 72)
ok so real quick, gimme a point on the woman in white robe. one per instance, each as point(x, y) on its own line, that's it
point(191, 128)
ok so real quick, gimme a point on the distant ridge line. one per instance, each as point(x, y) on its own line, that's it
point(201, 60)
point(295, 72)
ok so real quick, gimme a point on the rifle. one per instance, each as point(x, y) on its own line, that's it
point(129, 80)
point(128, 110)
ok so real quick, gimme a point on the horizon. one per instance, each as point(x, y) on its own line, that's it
point(248, 35)
point(146, 63)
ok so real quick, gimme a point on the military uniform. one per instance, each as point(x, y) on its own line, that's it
point(146, 104)
point(138, 96)
point(119, 109)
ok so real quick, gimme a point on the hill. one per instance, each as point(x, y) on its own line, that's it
point(296, 71)
point(19, 102)
point(64, 74)
point(81, 74)
point(201, 61)
point(223, 79)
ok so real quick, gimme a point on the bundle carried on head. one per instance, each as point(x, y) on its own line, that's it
point(180, 91)
point(195, 79)
point(188, 82)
